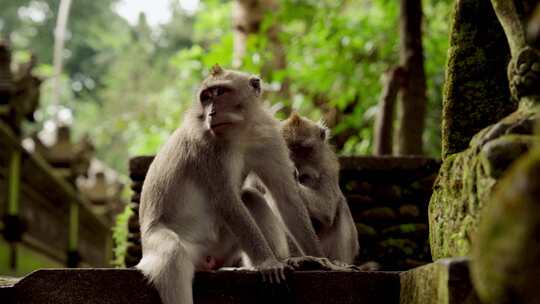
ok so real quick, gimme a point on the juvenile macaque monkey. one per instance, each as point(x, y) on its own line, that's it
point(192, 214)
point(318, 174)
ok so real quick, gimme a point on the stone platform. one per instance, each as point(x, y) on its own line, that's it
point(445, 281)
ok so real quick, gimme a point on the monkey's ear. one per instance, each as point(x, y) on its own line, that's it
point(216, 70)
point(324, 131)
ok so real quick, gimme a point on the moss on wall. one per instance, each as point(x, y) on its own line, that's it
point(506, 254)
point(476, 89)
point(465, 184)
point(453, 206)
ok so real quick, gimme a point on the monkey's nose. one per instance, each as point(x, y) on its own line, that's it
point(212, 114)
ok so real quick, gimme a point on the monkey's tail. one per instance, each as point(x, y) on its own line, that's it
point(168, 265)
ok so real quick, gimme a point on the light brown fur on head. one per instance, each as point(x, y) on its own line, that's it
point(318, 174)
point(231, 78)
point(308, 143)
point(300, 131)
point(216, 70)
point(226, 101)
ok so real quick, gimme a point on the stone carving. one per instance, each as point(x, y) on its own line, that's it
point(506, 253)
point(467, 178)
point(19, 92)
point(103, 190)
point(70, 159)
point(524, 73)
point(7, 87)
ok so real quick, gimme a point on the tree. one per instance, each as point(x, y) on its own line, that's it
point(384, 122)
point(413, 93)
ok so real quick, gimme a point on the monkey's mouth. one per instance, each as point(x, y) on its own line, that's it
point(220, 125)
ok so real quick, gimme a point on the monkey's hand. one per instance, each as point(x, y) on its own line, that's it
point(273, 271)
point(307, 263)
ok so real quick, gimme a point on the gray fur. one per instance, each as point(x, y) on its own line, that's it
point(318, 170)
point(191, 199)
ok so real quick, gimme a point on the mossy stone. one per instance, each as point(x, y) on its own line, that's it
point(506, 252)
point(464, 185)
point(476, 90)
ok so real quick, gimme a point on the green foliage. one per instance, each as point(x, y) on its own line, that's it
point(96, 33)
point(337, 51)
point(120, 235)
point(128, 85)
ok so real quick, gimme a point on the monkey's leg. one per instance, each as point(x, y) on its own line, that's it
point(340, 242)
point(273, 230)
point(253, 182)
point(275, 169)
point(168, 266)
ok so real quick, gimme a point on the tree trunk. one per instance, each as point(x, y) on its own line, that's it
point(247, 18)
point(59, 40)
point(413, 94)
point(384, 123)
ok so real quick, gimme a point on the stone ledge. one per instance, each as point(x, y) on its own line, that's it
point(388, 163)
point(420, 165)
point(115, 286)
point(388, 168)
point(444, 281)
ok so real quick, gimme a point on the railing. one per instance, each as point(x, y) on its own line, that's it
point(44, 212)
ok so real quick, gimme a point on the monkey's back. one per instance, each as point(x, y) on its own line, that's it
point(172, 195)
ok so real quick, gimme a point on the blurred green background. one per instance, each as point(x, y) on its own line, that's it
point(132, 67)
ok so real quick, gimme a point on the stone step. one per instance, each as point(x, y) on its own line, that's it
point(442, 282)
point(118, 286)
point(385, 169)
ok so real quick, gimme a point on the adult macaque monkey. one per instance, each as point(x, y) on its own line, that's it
point(318, 174)
point(191, 199)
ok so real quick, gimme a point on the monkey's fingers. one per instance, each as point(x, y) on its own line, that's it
point(269, 276)
point(282, 274)
point(275, 276)
point(293, 262)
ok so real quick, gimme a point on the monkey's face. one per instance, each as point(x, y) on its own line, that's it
point(228, 99)
point(303, 136)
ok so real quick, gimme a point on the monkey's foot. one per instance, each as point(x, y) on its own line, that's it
point(273, 271)
point(307, 263)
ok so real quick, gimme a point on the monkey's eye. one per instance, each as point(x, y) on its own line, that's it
point(300, 150)
point(304, 178)
point(322, 134)
point(218, 91)
point(206, 95)
point(255, 83)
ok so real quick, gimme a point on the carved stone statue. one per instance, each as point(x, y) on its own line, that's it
point(70, 159)
point(506, 251)
point(19, 93)
point(469, 173)
point(102, 190)
point(7, 87)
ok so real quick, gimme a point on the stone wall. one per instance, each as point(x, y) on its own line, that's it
point(388, 197)
point(43, 218)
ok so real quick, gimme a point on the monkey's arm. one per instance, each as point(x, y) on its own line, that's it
point(275, 169)
point(321, 200)
point(258, 202)
point(274, 231)
point(239, 220)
